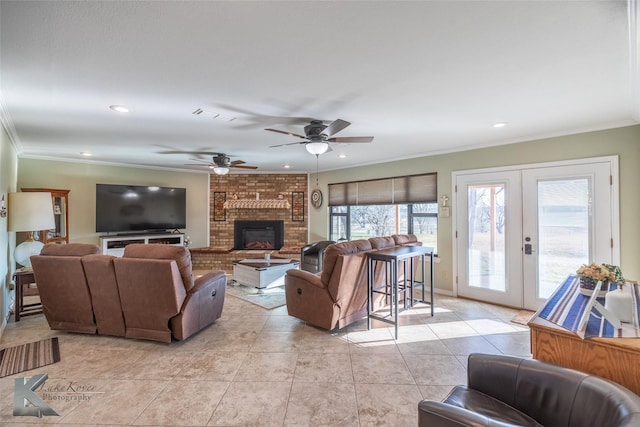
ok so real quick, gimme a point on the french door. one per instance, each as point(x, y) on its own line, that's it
point(521, 231)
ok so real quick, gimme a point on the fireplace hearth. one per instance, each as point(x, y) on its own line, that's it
point(259, 235)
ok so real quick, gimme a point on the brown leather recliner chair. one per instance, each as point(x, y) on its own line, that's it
point(62, 285)
point(159, 296)
point(335, 297)
point(512, 391)
point(312, 256)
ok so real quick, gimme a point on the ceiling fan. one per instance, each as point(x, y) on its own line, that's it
point(221, 163)
point(317, 136)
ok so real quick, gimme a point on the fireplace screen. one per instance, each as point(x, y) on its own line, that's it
point(266, 235)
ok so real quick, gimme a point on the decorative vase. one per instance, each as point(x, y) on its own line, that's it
point(588, 284)
point(620, 303)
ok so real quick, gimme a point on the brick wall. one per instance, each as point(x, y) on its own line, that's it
point(269, 187)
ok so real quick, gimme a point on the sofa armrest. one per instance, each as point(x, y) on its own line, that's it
point(312, 279)
point(206, 280)
point(431, 414)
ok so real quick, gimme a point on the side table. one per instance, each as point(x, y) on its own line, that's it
point(22, 279)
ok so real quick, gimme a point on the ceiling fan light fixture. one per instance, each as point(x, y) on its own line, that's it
point(221, 170)
point(317, 148)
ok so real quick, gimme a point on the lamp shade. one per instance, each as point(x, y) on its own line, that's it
point(30, 212)
point(317, 147)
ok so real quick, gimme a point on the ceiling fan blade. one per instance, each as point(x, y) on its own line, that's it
point(197, 164)
point(287, 133)
point(237, 162)
point(200, 160)
point(290, 143)
point(210, 153)
point(243, 167)
point(335, 127)
point(351, 139)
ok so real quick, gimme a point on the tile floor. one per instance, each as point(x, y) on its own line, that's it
point(256, 367)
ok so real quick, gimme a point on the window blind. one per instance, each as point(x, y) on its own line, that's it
point(387, 191)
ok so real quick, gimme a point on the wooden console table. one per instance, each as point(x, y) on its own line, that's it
point(24, 278)
point(617, 359)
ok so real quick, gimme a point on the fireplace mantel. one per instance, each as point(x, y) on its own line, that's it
point(257, 204)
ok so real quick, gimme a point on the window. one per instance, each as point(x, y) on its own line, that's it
point(403, 205)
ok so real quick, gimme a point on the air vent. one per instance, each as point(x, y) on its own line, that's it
point(213, 115)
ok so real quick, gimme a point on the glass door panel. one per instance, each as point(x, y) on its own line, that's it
point(563, 230)
point(486, 255)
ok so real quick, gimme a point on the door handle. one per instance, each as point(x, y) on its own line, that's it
point(528, 249)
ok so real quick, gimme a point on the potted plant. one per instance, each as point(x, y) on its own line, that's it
point(593, 273)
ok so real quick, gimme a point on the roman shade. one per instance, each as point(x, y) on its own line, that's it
point(387, 191)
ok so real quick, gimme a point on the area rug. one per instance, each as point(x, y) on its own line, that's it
point(29, 356)
point(266, 298)
point(523, 317)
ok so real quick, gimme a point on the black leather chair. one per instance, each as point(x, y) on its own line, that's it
point(312, 255)
point(510, 391)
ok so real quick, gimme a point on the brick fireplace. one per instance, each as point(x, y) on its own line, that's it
point(252, 187)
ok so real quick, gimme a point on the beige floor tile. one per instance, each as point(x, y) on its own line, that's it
point(380, 369)
point(464, 346)
point(372, 341)
point(319, 341)
point(389, 405)
point(452, 329)
point(118, 401)
point(319, 367)
point(210, 365)
point(516, 344)
point(252, 404)
point(184, 403)
point(325, 404)
point(267, 367)
point(436, 369)
point(277, 342)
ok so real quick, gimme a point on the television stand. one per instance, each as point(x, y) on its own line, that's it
point(114, 245)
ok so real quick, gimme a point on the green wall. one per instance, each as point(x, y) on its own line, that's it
point(623, 142)
point(8, 177)
point(81, 179)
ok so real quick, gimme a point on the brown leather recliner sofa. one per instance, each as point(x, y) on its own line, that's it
point(337, 295)
point(149, 293)
point(512, 391)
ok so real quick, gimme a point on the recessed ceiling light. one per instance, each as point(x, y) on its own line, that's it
point(342, 156)
point(287, 166)
point(84, 153)
point(119, 108)
point(499, 125)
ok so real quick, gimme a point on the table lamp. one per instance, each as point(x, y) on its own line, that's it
point(30, 212)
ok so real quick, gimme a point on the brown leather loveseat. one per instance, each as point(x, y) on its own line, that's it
point(149, 293)
point(337, 295)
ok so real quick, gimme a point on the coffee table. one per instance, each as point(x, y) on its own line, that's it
point(260, 273)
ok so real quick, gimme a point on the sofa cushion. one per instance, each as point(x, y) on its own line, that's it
point(71, 249)
point(405, 239)
point(488, 406)
point(378, 243)
point(179, 254)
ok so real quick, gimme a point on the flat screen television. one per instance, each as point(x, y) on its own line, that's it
point(136, 208)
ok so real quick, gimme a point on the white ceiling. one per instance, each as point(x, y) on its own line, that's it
point(422, 77)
